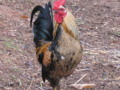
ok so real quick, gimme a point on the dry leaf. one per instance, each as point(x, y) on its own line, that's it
point(23, 16)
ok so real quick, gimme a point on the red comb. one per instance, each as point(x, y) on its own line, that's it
point(58, 3)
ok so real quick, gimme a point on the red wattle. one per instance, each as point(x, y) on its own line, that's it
point(59, 16)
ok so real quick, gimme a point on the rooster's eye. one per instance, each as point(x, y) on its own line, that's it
point(61, 9)
point(55, 11)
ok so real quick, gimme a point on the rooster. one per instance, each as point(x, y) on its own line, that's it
point(58, 49)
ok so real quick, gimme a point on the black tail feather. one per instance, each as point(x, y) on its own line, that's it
point(50, 5)
point(36, 9)
point(43, 25)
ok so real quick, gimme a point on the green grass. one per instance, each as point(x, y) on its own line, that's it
point(8, 61)
point(10, 44)
point(16, 69)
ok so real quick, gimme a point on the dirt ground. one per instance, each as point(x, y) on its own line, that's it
point(99, 26)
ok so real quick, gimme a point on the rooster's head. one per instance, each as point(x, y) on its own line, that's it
point(60, 11)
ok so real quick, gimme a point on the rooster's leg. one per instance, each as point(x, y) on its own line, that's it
point(55, 83)
point(56, 87)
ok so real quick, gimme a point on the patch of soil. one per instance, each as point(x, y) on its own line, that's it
point(99, 25)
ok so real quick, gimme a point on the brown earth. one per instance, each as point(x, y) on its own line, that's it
point(99, 25)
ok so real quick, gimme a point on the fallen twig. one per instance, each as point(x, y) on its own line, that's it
point(117, 34)
point(30, 84)
point(81, 78)
point(81, 86)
